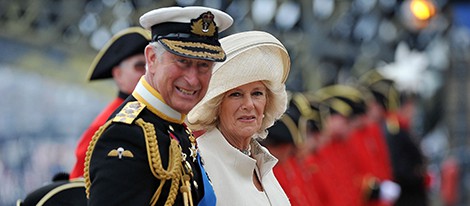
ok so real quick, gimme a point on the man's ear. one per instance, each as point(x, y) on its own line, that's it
point(117, 73)
point(150, 58)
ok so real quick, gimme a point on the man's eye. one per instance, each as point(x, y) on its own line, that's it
point(203, 65)
point(183, 61)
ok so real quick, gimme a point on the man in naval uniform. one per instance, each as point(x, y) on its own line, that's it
point(123, 60)
point(144, 154)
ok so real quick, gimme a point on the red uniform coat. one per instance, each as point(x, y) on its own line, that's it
point(80, 151)
point(369, 146)
point(320, 175)
point(291, 178)
point(338, 166)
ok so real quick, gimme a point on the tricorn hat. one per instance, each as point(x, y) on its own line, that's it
point(382, 88)
point(345, 100)
point(125, 43)
point(191, 31)
point(294, 125)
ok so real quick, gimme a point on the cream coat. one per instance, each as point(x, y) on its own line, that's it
point(231, 173)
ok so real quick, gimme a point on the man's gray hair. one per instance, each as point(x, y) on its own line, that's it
point(158, 49)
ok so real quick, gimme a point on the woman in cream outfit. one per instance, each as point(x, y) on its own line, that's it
point(245, 96)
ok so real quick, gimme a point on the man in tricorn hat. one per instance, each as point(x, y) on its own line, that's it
point(408, 164)
point(358, 150)
point(122, 58)
point(145, 154)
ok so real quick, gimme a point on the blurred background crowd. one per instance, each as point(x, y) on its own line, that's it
point(46, 48)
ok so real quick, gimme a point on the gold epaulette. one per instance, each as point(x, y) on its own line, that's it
point(129, 112)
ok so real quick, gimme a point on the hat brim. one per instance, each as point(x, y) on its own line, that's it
point(124, 44)
point(196, 50)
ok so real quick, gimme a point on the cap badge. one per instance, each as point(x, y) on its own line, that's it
point(204, 25)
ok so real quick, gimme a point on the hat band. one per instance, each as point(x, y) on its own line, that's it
point(195, 49)
point(186, 37)
point(181, 30)
point(172, 35)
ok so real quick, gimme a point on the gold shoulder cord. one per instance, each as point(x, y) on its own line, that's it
point(175, 171)
point(91, 147)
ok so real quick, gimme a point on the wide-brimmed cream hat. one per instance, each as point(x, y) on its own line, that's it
point(251, 56)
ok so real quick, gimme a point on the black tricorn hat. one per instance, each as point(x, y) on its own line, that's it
point(58, 192)
point(293, 125)
point(125, 43)
point(281, 133)
point(383, 89)
point(345, 100)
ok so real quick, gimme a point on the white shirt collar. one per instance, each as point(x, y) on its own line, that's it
point(144, 93)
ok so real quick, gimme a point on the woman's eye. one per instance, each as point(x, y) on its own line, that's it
point(235, 94)
point(258, 93)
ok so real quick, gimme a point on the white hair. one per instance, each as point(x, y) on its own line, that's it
point(158, 49)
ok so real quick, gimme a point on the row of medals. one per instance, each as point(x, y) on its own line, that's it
point(193, 150)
